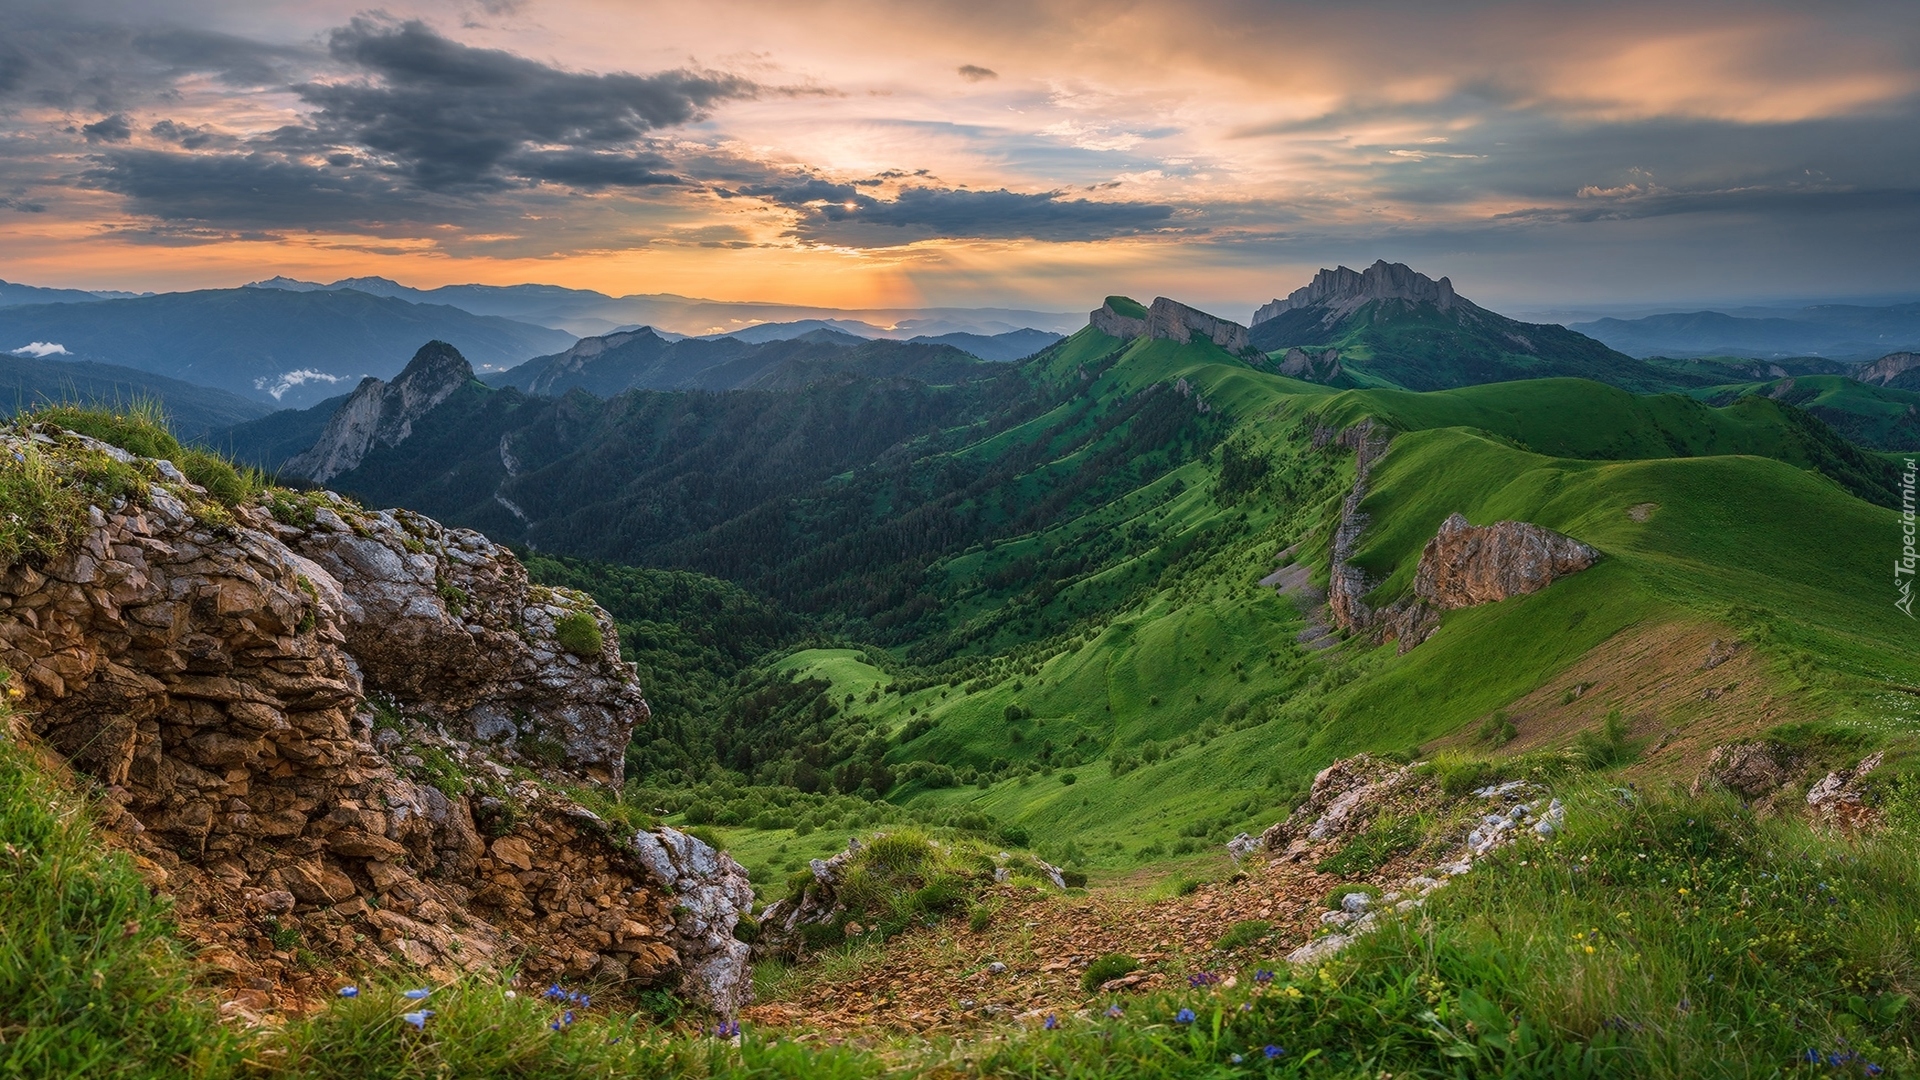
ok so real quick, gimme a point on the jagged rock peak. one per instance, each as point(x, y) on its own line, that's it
point(382, 413)
point(1166, 320)
point(1345, 290)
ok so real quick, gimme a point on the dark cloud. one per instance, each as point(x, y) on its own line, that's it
point(233, 60)
point(54, 55)
point(257, 191)
point(189, 136)
point(845, 212)
point(109, 129)
point(451, 116)
point(976, 73)
point(589, 170)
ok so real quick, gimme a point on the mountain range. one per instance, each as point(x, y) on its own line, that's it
point(193, 411)
point(271, 345)
point(1835, 331)
point(585, 312)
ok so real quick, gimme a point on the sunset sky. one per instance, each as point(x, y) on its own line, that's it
point(1039, 153)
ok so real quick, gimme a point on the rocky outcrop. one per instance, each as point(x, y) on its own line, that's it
point(1465, 565)
point(1170, 320)
point(1166, 320)
point(557, 370)
point(1838, 799)
point(1322, 366)
point(1342, 291)
point(1117, 318)
point(444, 623)
point(1750, 770)
point(350, 730)
point(1347, 584)
point(1888, 368)
point(381, 413)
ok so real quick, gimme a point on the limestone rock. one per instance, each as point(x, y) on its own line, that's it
point(1465, 565)
point(381, 413)
point(1108, 320)
point(217, 688)
point(1749, 769)
point(1170, 320)
point(1343, 291)
point(1888, 368)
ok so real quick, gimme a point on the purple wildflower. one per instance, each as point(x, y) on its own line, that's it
point(1052, 1022)
point(1273, 1051)
point(1116, 1012)
point(1202, 978)
point(727, 1029)
point(1263, 976)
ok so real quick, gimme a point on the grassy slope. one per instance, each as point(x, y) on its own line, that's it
point(1876, 416)
point(1780, 551)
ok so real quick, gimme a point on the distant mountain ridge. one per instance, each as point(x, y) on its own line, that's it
point(272, 345)
point(192, 411)
point(644, 360)
point(1389, 325)
point(1840, 331)
point(586, 312)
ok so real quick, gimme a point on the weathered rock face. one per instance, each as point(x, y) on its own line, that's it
point(1888, 368)
point(1322, 366)
point(1343, 291)
point(1464, 565)
point(1170, 320)
point(1108, 319)
point(212, 678)
point(444, 622)
point(381, 413)
point(1750, 770)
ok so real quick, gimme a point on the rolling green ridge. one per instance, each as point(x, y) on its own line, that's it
point(1879, 417)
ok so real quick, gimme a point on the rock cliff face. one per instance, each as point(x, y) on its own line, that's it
point(313, 720)
point(1322, 366)
point(1170, 320)
point(1462, 566)
point(1115, 318)
point(381, 413)
point(1342, 291)
point(1888, 368)
point(1166, 320)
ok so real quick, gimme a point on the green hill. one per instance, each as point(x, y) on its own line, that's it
point(1880, 417)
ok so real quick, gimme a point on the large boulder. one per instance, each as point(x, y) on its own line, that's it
point(1465, 565)
point(209, 667)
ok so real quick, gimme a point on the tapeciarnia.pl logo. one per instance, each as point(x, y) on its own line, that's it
point(1903, 568)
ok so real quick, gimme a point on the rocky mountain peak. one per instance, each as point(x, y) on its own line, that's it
point(1166, 320)
point(382, 413)
point(1345, 290)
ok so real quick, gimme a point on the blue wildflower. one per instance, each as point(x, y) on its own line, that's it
point(1184, 1016)
point(1235, 1059)
point(1273, 1051)
point(1052, 1022)
point(1202, 978)
point(418, 1019)
point(1263, 976)
point(1812, 1056)
point(416, 995)
point(567, 1016)
point(727, 1029)
point(554, 993)
point(349, 991)
point(1116, 1012)
point(1872, 1069)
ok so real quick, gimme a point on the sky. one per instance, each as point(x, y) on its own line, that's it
point(1032, 153)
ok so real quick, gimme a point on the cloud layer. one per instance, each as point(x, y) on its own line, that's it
point(1045, 151)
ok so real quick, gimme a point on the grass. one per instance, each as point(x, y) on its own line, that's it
point(142, 429)
point(1658, 936)
point(91, 981)
point(579, 633)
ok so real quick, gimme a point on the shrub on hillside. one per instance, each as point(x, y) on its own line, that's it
point(1106, 969)
point(579, 634)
